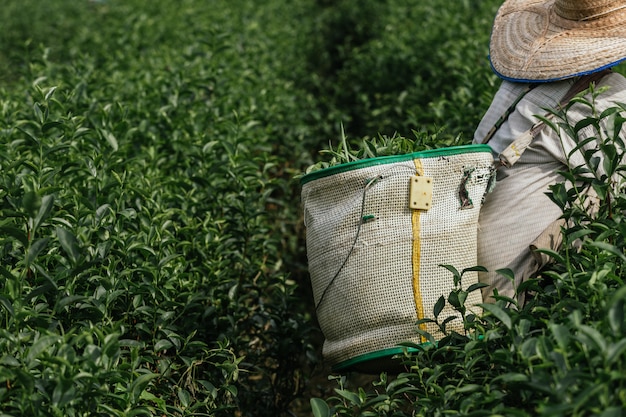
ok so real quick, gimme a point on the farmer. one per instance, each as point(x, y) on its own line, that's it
point(540, 49)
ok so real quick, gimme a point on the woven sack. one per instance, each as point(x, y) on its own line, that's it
point(375, 259)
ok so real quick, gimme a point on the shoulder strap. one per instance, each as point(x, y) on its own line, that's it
point(507, 113)
point(514, 151)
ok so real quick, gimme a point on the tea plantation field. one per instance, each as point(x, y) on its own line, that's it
point(152, 256)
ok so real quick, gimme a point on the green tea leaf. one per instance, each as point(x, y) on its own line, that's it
point(50, 125)
point(616, 316)
point(499, 313)
point(40, 345)
point(64, 392)
point(110, 138)
point(47, 201)
point(615, 352)
point(50, 93)
point(184, 397)
point(592, 336)
point(31, 202)
point(35, 249)
point(138, 386)
point(476, 286)
point(561, 334)
point(352, 398)
point(8, 306)
point(610, 249)
point(16, 233)
point(69, 243)
point(162, 344)
point(439, 305)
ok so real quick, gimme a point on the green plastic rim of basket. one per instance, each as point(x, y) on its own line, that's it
point(372, 356)
point(382, 354)
point(382, 160)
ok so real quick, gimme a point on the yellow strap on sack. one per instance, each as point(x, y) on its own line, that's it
point(415, 221)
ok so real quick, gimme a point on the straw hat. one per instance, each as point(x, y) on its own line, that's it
point(549, 40)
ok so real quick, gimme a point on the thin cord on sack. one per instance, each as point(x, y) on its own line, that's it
point(369, 184)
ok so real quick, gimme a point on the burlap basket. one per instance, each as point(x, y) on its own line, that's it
point(376, 236)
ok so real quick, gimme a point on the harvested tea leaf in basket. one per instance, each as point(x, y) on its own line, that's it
point(380, 145)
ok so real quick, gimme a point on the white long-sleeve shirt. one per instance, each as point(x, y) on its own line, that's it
point(518, 210)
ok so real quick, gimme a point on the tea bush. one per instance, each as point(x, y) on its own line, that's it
point(144, 210)
point(398, 66)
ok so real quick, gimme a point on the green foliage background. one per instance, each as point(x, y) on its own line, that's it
point(152, 259)
point(147, 221)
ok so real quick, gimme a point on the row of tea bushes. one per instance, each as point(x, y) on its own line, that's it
point(145, 223)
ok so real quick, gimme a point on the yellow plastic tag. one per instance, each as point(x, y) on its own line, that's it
point(421, 193)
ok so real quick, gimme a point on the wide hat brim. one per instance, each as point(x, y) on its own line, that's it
point(531, 42)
